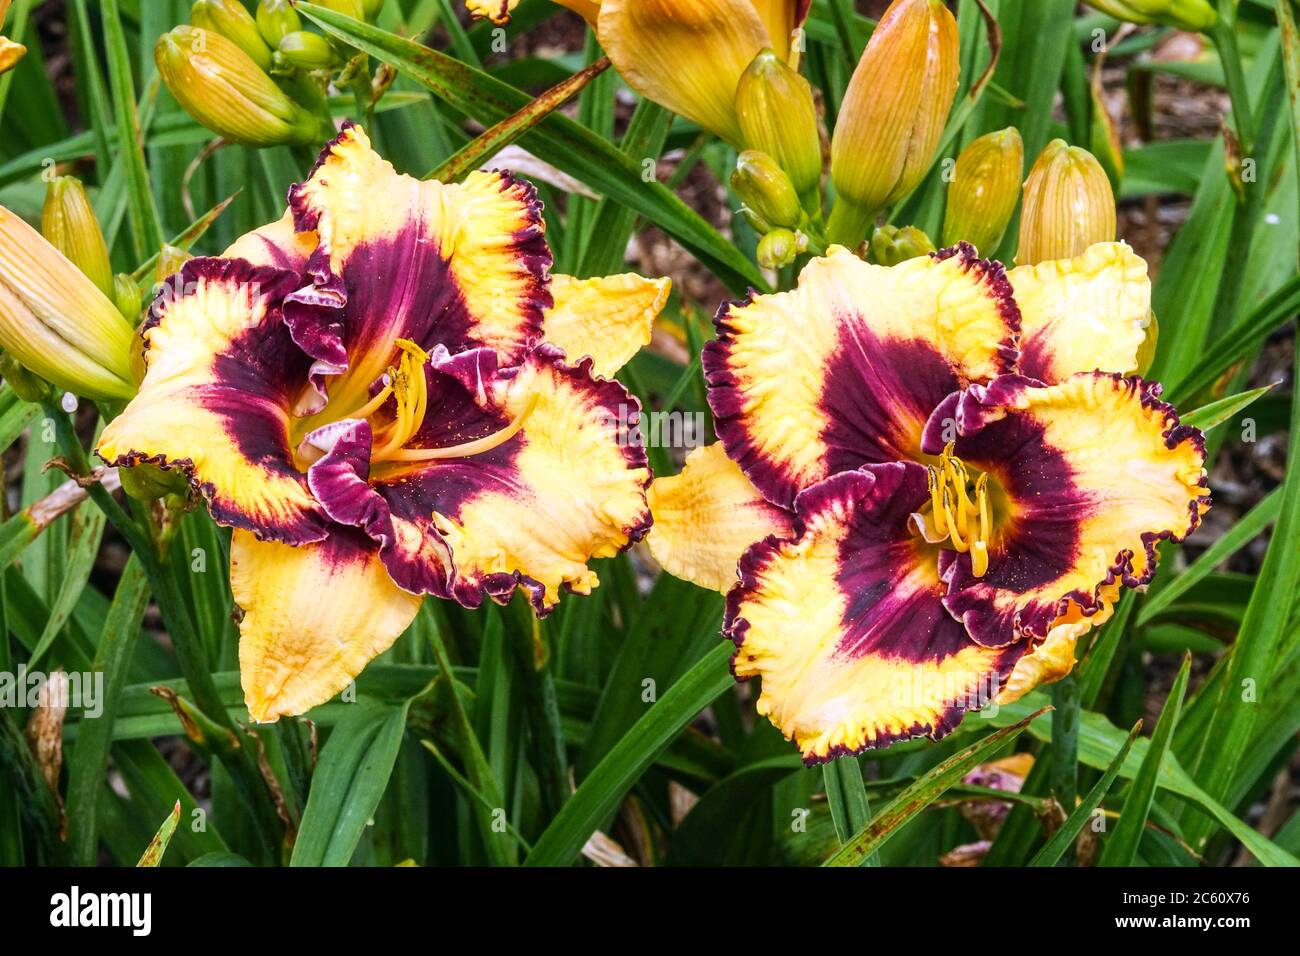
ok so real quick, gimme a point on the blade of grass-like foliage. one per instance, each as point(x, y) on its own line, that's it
point(847, 796)
point(83, 548)
point(604, 788)
point(1068, 832)
point(488, 143)
point(1216, 413)
point(15, 415)
point(153, 853)
point(1262, 638)
point(1238, 343)
point(1121, 847)
point(1286, 21)
point(558, 140)
point(1242, 533)
point(1099, 739)
point(355, 764)
point(100, 109)
point(146, 231)
point(89, 758)
point(922, 793)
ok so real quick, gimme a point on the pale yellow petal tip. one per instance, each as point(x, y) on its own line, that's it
point(706, 517)
point(607, 319)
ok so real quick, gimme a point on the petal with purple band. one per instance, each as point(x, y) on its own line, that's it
point(313, 617)
point(277, 244)
point(846, 625)
point(1090, 475)
point(462, 265)
point(221, 373)
point(846, 369)
point(707, 517)
point(568, 487)
point(1083, 314)
point(608, 319)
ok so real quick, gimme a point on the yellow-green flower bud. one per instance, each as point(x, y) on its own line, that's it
point(68, 222)
point(780, 247)
point(311, 51)
point(777, 116)
point(127, 297)
point(891, 245)
point(217, 84)
point(233, 21)
point(762, 185)
point(372, 8)
point(170, 260)
point(984, 190)
point(28, 387)
point(276, 19)
point(1105, 141)
point(1068, 206)
point(55, 321)
point(149, 482)
point(893, 113)
point(1183, 14)
point(351, 8)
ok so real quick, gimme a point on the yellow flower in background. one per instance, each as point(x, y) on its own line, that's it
point(893, 113)
point(54, 320)
point(1068, 205)
point(387, 395)
point(10, 52)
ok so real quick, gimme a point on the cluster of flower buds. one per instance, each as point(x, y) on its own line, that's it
point(257, 80)
point(1198, 15)
point(59, 325)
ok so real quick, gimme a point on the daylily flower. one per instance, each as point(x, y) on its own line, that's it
point(927, 475)
point(374, 393)
point(686, 55)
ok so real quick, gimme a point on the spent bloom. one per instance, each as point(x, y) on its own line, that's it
point(374, 393)
point(930, 480)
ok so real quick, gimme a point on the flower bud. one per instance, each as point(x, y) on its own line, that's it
point(780, 247)
point(10, 54)
point(127, 297)
point(371, 8)
point(145, 482)
point(985, 189)
point(891, 245)
point(236, 24)
point(1184, 14)
point(55, 322)
point(1104, 137)
point(1068, 206)
point(307, 50)
point(763, 186)
point(170, 260)
point(223, 89)
point(893, 113)
point(275, 19)
point(774, 105)
point(349, 8)
point(68, 222)
point(28, 387)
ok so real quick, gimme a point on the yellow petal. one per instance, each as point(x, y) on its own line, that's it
point(687, 55)
point(706, 517)
point(1083, 314)
point(589, 10)
point(780, 17)
point(574, 491)
point(608, 319)
point(313, 617)
point(10, 54)
point(498, 11)
point(216, 395)
point(276, 244)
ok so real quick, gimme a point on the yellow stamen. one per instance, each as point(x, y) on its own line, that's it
point(411, 391)
point(936, 501)
point(959, 515)
point(476, 447)
point(979, 558)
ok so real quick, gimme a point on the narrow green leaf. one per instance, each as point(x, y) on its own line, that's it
point(1121, 847)
point(355, 764)
point(1068, 832)
point(606, 785)
point(847, 797)
point(922, 793)
point(153, 853)
point(1225, 409)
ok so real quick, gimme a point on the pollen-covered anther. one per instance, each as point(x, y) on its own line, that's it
point(959, 513)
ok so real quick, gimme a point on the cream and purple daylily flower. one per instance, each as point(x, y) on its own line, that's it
point(931, 479)
point(387, 395)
